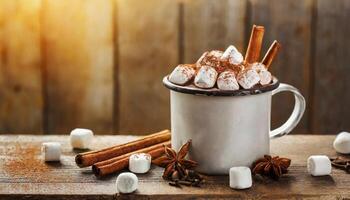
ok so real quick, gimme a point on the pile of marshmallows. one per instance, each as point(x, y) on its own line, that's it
point(228, 70)
point(317, 165)
point(82, 139)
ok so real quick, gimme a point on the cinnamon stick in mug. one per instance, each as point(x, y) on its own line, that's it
point(271, 54)
point(92, 157)
point(255, 42)
point(121, 162)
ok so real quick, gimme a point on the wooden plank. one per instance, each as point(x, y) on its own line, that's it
point(331, 85)
point(21, 100)
point(64, 180)
point(78, 50)
point(213, 25)
point(148, 50)
point(289, 23)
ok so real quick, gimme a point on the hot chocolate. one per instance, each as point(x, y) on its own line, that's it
point(227, 70)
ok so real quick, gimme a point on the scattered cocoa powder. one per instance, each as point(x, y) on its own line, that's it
point(24, 161)
point(220, 65)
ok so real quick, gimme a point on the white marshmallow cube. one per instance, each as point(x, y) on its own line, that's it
point(227, 81)
point(206, 77)
point(81, 138)
point(257, 66)
point(140, 162)
point(51, 151)
point(201, 59)
point(127, 182)
point(211, 58)
point(342, 143)
point(240, 177)
point(182, 74)
point(232, 55)
point(215, 53)
point(248, 78)
point(319, 165)
point(264, 75)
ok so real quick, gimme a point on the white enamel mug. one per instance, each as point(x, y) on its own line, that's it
point(227, 128)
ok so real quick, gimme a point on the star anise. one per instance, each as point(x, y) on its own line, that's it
point(272, 167)
point(177, 167)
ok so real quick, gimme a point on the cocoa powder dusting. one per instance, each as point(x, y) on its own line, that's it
point(24, 161)
point(216, 62)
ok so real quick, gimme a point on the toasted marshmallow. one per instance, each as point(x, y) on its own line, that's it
point(227, 81)
point(182, 74)
point(232, 55)
point(206, 77)
point(248, 78)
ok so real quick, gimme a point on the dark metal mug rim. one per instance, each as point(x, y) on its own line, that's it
point(190, 89)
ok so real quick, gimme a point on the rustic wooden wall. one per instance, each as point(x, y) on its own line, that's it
point(99, 63)
point(21, 85)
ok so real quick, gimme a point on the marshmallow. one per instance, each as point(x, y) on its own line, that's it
point(342, 143)
point(51, 151)
point(212, 59)
point(232, 55)
point(248, 78)
point(264, 75)
point(240, 177)
point(319, 165)
point(182, 74)
point(227, 81)
point(140, 162)
point(81, 138)
point(127, 182)
point(206, 77)
point(257, 66)
point(201, 59)
point(215, 53)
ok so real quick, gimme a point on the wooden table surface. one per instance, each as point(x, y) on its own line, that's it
point(24, 175)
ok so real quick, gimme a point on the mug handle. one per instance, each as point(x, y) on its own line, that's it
point(298, 111)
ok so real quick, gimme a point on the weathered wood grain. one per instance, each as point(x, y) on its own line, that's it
point(64, 180)
point(21, 99)
point(331, 99)
point(289, 22)
point(212, 25)
point(148, 50)
point(78, 58)
point(79, 38)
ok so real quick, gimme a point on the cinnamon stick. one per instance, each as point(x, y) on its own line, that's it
point(89, 158)
point(121, 162)
point(271, 54)
point(255, 42)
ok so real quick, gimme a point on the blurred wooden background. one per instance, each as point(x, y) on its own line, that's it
point(99, 63)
